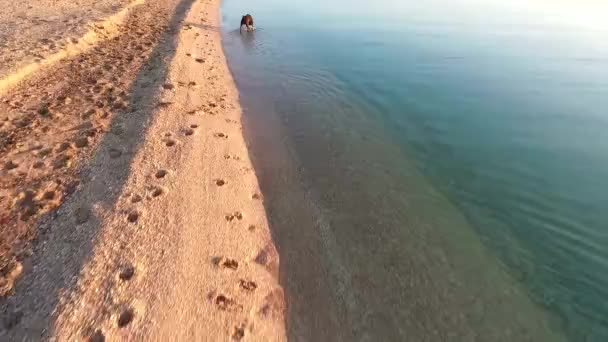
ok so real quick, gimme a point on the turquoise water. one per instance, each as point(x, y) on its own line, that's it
point(441, 111)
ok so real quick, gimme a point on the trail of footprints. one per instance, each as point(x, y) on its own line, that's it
point(127, 272)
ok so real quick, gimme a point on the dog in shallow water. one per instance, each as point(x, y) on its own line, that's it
point(247, 23)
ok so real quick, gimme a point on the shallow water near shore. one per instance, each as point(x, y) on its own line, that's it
point(456, 158)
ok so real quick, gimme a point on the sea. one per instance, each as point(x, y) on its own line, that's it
point(453, 155)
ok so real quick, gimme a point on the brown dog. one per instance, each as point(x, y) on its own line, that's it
point(247, 21)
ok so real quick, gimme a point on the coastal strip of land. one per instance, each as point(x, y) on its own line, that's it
point(129, 207)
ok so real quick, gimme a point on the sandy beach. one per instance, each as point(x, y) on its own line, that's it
point(129, 206)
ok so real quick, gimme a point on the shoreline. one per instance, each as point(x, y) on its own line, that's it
point(165, 233)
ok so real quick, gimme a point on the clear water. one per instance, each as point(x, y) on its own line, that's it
point(476, 132)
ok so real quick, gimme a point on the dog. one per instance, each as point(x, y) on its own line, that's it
point(247, 21)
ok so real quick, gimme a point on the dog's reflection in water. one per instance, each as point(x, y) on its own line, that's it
point(248, 40)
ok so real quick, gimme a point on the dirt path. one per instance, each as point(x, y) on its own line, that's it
point(130, 209)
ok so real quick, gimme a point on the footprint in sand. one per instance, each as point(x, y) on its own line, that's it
point(188, 131)
point(81, 142)
point(223, 262)
point(225, 303)
point(238, 332)
point(235, 157)
point(97, 336)
point(133, 216)
point(170, 142)
point(236, 215)
point(136, 198)
point(161, 174)
point(62, 161)
point(125, 317)
point(157, 191)
point(48, 195)
point(274, 304)
point(44, 152)
point(64, 146)
point(248, 285)
point(10, 165)
point(126, 273)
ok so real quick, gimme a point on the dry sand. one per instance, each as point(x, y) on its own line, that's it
point(128, 203)
point(31, 30)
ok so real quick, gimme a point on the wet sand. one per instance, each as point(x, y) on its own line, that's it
point(129, 206)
